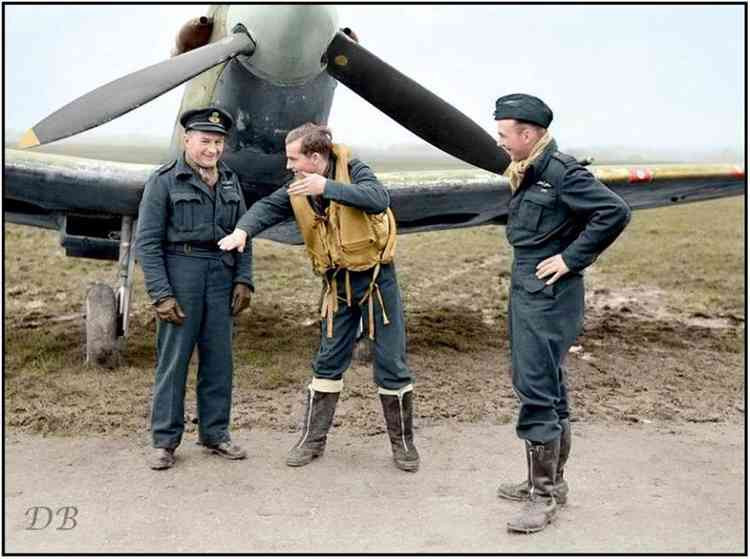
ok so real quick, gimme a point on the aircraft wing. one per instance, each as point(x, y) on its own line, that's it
point(45, 183)
point(75, 194)
point(450, 199)
point(83, 198)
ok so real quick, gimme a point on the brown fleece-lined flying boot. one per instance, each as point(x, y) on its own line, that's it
point(520, 491)
point(541, 508)
point(320, 405)
point(398, 411)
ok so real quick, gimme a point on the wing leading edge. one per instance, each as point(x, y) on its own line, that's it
point(38, 185)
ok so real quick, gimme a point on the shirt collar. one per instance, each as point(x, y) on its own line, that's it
point(538, 167)
point(184, 170)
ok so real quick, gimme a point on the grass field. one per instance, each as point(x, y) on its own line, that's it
point(685, 262)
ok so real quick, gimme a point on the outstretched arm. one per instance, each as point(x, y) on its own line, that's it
point(243, 272)
point(265, 213)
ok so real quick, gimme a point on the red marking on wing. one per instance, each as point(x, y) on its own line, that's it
point(739, 172)
point(640, 174)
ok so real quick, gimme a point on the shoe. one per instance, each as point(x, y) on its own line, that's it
point(227, 449)
point(161, 458)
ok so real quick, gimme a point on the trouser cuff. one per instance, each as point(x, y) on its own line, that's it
point(166, 444)
point(326, 385)
point(398, 392)
point(213, 441)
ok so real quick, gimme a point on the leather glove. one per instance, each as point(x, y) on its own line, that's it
point(169, 310)
point(240, 298)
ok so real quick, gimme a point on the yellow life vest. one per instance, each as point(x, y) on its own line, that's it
point(345, 238)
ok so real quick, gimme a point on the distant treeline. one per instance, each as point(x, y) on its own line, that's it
point(408, 157)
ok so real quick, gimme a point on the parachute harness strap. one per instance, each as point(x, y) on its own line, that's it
point(330, 299)
point(373, 287)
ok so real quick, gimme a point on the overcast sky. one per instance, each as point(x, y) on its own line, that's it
point(638, 76)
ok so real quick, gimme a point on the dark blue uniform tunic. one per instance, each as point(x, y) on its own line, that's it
point(559, 208)
point(180, 222)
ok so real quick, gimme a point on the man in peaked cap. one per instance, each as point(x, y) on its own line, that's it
point(187, 206)
point(210, 119)
point(560, 218)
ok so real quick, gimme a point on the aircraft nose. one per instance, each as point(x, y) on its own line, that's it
point(291, 40)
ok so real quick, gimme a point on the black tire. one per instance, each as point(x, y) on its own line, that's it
point(101, 327)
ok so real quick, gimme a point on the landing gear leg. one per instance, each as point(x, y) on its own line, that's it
point(125, 284)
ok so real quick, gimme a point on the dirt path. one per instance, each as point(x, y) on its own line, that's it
point(645, 488)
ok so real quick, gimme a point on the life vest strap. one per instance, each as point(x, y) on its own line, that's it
point(330, 304)
point(374, 287)
point(348, 285)
point(330, 300)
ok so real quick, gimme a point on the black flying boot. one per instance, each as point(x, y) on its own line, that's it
point(517, 491)
point(520, 491)
point(561, 486)
point(541, 507)
point(320, 405)
point(398, 412)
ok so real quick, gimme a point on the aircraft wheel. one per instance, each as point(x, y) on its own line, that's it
point(101, 327)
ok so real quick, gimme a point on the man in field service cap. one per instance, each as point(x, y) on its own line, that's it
point(560, 218)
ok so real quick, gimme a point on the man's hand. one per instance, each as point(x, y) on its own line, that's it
point(554, 265)
point(240, 298)
point(169, 310)
point(310, 184)
point(235, 240)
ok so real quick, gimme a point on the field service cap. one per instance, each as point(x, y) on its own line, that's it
point(527, 108)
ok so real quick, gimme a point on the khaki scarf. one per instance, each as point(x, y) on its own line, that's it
point(517, 169)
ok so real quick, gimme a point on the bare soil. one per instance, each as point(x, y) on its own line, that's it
point(644, 355)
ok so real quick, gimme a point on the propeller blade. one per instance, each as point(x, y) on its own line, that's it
point(130, 92)
point(413, 106)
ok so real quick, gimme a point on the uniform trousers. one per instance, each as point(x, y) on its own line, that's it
point(335, 354)
point(202, 286)
point(543, 322)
